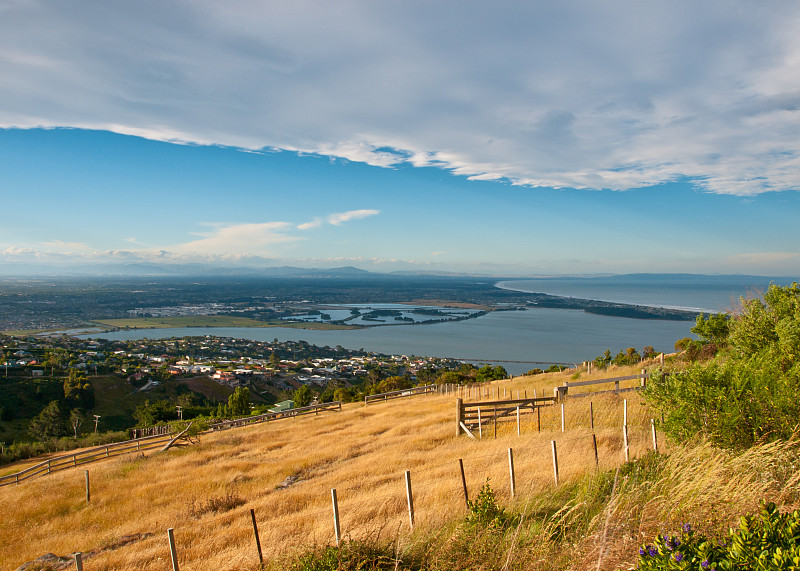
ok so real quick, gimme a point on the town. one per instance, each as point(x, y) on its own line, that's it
point(112, 386)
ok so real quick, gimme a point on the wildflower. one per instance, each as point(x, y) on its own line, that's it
point(687, 528)
point(642, 552)
point(678, 557)
point(704, 564)
point(652, 551)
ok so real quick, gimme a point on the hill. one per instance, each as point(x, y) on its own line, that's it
point(285, 472)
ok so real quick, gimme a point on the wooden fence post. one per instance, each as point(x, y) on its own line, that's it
point(517, 420)
point(459, 416)
point(625, 412)
point(655, 437)
point(555, 460)
point(562, 417)
point(643, 380)
point(463, 481)
point(86, 474)
point(495, 419)
point(591, 415)
point(79, 561)
point(410, 498)
point(594, 443)
point(172, 552)
point(255, 532)
point(336, 527)
point(539, 419)
point(511, 471)
point(625, 440)
point(480, 424)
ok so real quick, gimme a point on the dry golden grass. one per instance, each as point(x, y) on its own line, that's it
point(361, 451)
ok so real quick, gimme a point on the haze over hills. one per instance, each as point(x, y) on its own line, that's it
point(144, 269)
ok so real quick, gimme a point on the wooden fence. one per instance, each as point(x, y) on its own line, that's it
point(525, 468)
point(159, 430)
point(167, 434)
point(561, 392)
point(87, 456)
point(289, 413)
point(402, 393)
point(471, 417)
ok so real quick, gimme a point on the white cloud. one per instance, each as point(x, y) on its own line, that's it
point(614, 95)
point(237, 240)
point(61, 246)
point(342, 217)
point(339, 218)
point(316, 223)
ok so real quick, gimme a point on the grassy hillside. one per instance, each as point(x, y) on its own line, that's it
point(285, 471)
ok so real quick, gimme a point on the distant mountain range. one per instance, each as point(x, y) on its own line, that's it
point(144, 269)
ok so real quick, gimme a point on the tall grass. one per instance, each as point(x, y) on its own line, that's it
point(285, 471)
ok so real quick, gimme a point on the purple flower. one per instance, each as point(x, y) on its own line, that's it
point(652, 550)
point(642, 552)
point(678, 557)
point(687, 528)
point(704, 564)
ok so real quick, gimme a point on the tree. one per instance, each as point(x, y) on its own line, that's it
point(274, 360)
point(342, 395)
point(239, 402)
point(394, 383)
point(78, 390)
point(48, 424)
point(489, 373)
point(153, 413)
point(302, 396)
point(712, 329)
point(76, 418)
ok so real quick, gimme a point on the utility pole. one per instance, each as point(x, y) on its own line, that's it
point(96, 420)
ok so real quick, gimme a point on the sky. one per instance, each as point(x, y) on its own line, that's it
point(497, 138)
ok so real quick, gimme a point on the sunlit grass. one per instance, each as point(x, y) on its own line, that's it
point(363, 453)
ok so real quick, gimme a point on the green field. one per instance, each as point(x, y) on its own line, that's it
point(206, 321)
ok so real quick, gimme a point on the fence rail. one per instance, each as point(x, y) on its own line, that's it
point(87, 456)
point(292, 412)
point(472, 416)
point(166, 435)
point(402, 393)
point(561, 392)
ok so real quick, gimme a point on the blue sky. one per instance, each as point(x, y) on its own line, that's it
point(510, 138)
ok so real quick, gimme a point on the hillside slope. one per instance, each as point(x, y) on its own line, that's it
point(285, 471)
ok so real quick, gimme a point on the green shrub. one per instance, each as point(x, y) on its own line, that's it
point(361, 555)
point(765, 542)
point(484, 511)
point(748, 393)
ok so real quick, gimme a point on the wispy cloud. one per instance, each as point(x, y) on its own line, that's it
point(238, 239)
point(62, 246)
point(562, 94)
point(338, 218)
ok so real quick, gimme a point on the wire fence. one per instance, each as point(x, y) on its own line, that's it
point(568, 441)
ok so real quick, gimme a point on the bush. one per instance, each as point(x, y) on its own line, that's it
point(484, 511)
point(368, 554)
point(767, 541)
point(747, 393)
